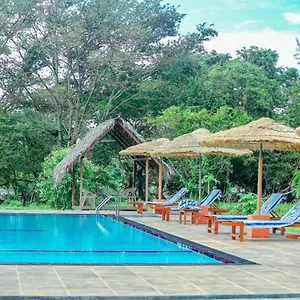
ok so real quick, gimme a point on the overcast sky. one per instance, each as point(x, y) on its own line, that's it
point(265, 23)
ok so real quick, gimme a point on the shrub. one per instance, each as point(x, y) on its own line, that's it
point(246, 204)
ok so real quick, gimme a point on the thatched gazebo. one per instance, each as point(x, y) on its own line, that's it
point(145, 149)
point(121, 131)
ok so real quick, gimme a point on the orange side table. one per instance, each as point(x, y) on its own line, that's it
point(184, 212)
point(258, 232)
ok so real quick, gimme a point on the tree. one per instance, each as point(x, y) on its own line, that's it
point(76, 60)
point(244, 85)
point(26, 138)
point(265, 58)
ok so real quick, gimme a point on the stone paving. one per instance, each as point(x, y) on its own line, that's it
point(277, 270)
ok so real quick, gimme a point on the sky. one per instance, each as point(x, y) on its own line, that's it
point(270, 24)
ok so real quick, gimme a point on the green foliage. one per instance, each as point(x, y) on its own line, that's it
point(25, 140)
point(296, 181)
point(246, 204)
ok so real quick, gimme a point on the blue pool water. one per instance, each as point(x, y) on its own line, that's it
point(86, 239)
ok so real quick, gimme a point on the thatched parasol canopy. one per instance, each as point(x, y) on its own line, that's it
point(297, 131)
point(265, 132)
point(262, 134)
point(144, 149)
point(187, 146)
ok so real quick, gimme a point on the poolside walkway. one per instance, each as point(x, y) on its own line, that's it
point(277, 270)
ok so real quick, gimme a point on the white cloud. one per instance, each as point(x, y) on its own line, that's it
point(293, 18)
point(283, 42)
point(245, 23)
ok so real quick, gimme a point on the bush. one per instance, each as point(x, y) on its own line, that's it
point(246, 204)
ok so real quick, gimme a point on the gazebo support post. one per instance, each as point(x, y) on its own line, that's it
point(81, 182)
point(160, 178)
point(259, 232)
point(73, 187)
point(147, 180)
point(134, 178)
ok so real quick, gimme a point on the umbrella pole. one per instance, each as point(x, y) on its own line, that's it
point(160, 181)
point(200, 177)
point(147, 181)
point(259, 180)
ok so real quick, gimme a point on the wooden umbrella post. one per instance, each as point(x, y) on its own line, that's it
point(200, 177)
point(259, 232)
point(259, 181)
point(160, 175)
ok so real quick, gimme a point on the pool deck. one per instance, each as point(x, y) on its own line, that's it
point(276, 272)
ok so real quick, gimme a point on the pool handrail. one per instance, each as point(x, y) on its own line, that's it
point(105, 200)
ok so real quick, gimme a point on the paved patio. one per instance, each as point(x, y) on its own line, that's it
point(277, 270)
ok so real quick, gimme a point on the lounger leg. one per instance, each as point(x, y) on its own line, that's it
point(242, 232)
point(140, 208)
point(216, 229)
point(233, 232)
point(209, 225)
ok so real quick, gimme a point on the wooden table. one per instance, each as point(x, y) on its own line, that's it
point(184, 212)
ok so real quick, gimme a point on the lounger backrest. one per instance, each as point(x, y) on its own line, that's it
point(211, 197)
point(293, 214)
point(177, 196)
point(271, 203)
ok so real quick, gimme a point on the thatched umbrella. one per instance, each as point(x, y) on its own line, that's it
point(262, 134)
point(144, 149)
point(187, 146)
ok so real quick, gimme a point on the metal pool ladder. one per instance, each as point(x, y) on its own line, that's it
point(105, 200)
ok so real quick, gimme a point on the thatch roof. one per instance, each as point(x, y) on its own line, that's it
point(297, 131)
point(120, 130)
point(144, 149)
point(264, 132)
point(187, 146)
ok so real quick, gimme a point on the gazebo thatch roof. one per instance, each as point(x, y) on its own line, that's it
point(120, 130)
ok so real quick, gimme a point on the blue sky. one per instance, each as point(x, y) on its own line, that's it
point(266, 23)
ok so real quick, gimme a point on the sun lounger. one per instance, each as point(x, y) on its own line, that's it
point(266, 209)
point(192, 204)
point(288, 219)
point(174, 199)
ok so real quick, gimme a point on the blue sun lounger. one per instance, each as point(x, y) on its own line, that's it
point(288, 219)
point(266, 208)
point(171, 201)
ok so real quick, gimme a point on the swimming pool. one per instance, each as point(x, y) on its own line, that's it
point(87, 239)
